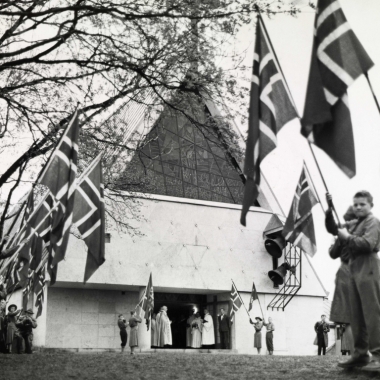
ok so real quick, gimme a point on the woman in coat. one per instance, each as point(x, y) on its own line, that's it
point(133, 324)
point(11, 326)
point(257, 337)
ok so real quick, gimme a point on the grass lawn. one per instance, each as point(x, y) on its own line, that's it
point(157, 366)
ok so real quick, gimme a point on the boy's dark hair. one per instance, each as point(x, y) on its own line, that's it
point(120, 315)
point(364, 194)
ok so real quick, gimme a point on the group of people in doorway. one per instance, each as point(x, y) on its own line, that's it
point(16, 329)
point(200, 331)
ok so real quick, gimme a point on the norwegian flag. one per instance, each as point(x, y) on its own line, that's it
point(270, 109)
point(41, 222)
point(148, 304)
point(235, 302)
point(338, 59)
point(39, 289)
point(59, 176)
point(253, 297)
point(25, 253)
point(89, 215)
point(299, 226)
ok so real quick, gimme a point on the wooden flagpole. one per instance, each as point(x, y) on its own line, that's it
point(244, 303)
point(373, 92)
point(331, 204)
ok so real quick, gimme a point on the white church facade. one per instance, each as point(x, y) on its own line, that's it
point(193, 244)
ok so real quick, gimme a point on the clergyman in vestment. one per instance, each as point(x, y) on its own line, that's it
point(164, 331)
point(208, 334)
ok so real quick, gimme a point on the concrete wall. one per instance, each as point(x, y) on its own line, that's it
point(81, 318)
point(87, 319)
point(193, 247)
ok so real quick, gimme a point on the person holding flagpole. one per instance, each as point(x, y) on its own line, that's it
point(133, 324)
point(362, 245)
point(257, 341)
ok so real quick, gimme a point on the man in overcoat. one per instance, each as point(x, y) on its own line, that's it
point(362, 244)
point(322, 328)
point(224, 329)
point(26, 323)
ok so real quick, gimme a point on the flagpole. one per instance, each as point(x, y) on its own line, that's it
point(331, 204)
point(241, 298)
point(312, 182)
point(46, 166)
point(373, 93)
point(244, 303)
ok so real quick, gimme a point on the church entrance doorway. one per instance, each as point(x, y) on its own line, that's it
point(179, 308)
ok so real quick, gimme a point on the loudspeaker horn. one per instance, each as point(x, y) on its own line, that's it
point(274, 246)
point(278, 275)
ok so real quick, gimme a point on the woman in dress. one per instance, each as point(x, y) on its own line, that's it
point(257, 338)
point(196, 332)
point(11, 326)
point(133, 324)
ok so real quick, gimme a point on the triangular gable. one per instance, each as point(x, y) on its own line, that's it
point(135, 119)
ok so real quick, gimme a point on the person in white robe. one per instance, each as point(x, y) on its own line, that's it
point(208, 334)
point(188, 328)
point(196, 332)
point(164, 330)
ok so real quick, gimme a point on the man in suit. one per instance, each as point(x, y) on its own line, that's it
point(224, 329)
point(322, 328)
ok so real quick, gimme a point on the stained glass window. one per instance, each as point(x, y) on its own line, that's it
point(180, 160)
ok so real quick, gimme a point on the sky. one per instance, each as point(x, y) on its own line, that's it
point(292, 40)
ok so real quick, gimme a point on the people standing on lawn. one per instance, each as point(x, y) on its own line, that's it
point(188, 328)
point(208, 333)
point(322, 328)
point(257, 337)
point(164, 332)
point(196, 332)
point(25, 324)
point(269, 335)
point(224, 329)
point(133, 324)
point(123, 324)
point(12, 330)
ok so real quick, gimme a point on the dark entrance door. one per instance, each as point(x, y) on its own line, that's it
point(179, 308)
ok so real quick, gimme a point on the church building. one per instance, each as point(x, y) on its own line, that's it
point(191, 240)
